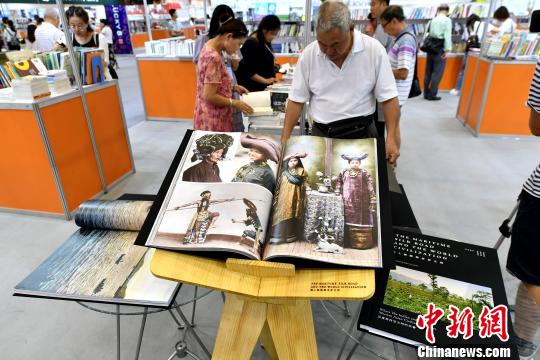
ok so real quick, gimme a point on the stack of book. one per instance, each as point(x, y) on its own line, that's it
point(520, 45)
point(171, 47)
point(30, 87)
point(58, 81)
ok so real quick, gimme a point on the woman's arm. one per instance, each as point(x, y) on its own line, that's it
point(104, 46)
point(210, 94)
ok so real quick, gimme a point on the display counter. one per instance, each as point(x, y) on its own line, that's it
point(138, 39)
point(451, 71)
point(168, 85)
point(49, 163)
point(494, 94)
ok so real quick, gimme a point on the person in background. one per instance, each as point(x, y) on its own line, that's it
point(403, 53)
point(106, 31)
point(48, 34)
point(524, 250)
point(30, 41)
point(231, 61)
point(173, 26)
point(85, 36)
point(342, 75)
point(377, 7)
point(220, 12)
point(371, 25)
point(10, 36)
point(474, 29)
point(37, 20)
point(504, 24)
point(257, 68)
point(214, 103)
point(439, 27)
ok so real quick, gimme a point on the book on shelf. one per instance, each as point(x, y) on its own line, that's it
point(437, 271)
point(30, 87)
point(99, 263)
point(171, 47)
point(314, 202)
point(521, 44)
point(457, 11)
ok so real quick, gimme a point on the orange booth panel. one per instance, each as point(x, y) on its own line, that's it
point(168, 88)
point(505, 111)
point(110, 133)
point(478, 89)
point(71, 145)
point(27, 178)
point(450, 75)
point(138, 39)
point(468, 82)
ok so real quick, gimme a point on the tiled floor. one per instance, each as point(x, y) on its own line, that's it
point(459, 186)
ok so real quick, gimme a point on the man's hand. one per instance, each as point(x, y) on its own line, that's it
point(443, 56)
point(392, 150)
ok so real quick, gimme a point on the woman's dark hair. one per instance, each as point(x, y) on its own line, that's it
point(172, 12)
point(104, 21)
point(11, 26)
point(471, 20)
point(80, 13)
point(268, 23)
point(219, 12)
point(501, 13)
point(393, 12)
point(232, 26)
point(31, 33)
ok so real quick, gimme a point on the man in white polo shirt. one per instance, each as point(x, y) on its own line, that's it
point(343, 75)
point(48, 34)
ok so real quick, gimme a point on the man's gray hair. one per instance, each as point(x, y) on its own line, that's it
point(50, 13)
point(333, 14)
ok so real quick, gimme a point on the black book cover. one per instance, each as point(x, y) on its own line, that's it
point(438, 271)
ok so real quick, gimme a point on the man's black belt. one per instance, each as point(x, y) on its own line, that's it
point(352, 128)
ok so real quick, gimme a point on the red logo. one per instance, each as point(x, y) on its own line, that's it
point(460, 322)
point(494, 322)
point(429, 320)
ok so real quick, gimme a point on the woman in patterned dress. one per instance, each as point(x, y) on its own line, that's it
point(214, 102)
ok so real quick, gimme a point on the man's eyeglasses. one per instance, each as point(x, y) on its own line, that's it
point(384, 24)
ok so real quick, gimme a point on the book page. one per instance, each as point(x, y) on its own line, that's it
point(220, 196)
point(260, 101)
point(326, 205)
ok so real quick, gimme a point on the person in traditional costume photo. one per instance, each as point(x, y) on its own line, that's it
point(210, 149)
point(289, 204)
point(252, 219)
point(258, 171)
point(202, 220)
point(356, 187)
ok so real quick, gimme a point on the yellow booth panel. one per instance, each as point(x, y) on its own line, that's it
point(69, 137)
point(110, 134)
point(168, 87)
point(505, 110)
point(450, 75)
point(27, 178)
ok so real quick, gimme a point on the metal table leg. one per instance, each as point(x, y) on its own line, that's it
point(189, 327)
point(355, 346)
point(194, 306)
point(354, 320)
point(118, 332)
point(143, 323)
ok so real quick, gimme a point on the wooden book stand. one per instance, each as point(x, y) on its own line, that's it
point(265, 300)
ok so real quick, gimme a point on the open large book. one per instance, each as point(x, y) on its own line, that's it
point(438, 271)
point(99, 262)
point(317, 199)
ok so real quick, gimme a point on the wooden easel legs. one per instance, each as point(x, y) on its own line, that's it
point(284, 327)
